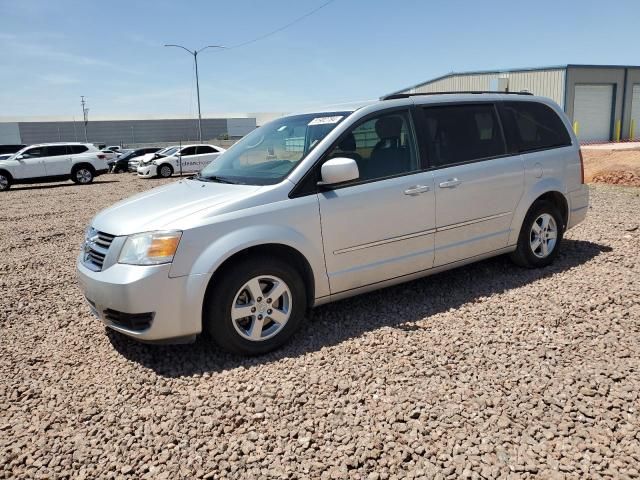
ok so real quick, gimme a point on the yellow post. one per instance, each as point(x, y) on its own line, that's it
point(616, 136)
point(632, 128)
point(576, 127)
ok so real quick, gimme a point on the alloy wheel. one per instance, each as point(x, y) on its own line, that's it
point(543, 235)
point(261, 308)
point(83, 175)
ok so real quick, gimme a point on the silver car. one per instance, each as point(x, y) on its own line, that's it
point(317, 207)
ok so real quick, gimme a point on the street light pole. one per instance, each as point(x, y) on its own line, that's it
point(195, 60)
point(85, 115)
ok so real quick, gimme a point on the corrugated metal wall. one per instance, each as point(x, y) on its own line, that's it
point(9, 133)
point(547, 83)
point(117, 132)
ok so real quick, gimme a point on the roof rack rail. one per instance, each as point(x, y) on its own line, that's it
point(394, 96)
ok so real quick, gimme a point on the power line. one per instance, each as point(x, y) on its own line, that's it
point(293, 22)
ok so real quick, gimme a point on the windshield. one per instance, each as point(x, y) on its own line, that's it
point(167, 152)
point(269, 153)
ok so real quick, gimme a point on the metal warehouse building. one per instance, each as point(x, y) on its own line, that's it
point(129, 132)
point(602, 101)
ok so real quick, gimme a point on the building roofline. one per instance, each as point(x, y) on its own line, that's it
point(509, 70)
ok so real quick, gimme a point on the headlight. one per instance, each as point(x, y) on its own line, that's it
point(152, 248)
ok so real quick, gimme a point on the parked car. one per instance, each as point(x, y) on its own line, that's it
point(121, 164)
point(314, 208)
point(53, 162)
point(114, 148)
point(135, 161)
point(4, 149)
point(109, 154)
point(188, 159)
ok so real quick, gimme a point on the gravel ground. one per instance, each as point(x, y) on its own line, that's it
point(488, 371)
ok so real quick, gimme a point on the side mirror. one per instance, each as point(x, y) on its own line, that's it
point(20, 157)
point(339, 170)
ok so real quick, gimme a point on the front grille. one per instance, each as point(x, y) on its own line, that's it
point(130, 321)
point(96, 248)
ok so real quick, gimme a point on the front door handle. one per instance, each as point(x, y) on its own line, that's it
point(416, 190)
point(451, 183)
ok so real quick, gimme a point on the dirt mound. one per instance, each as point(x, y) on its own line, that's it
point(617, 177)
point(615, 167)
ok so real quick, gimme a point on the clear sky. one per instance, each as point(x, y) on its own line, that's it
point(51, 52)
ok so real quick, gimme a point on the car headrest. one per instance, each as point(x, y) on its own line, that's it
point(389, 127)
point(348, 143)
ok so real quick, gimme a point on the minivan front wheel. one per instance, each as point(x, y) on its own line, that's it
point(255, 306)
point(540, 236)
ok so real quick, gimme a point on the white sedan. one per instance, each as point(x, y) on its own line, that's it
point(188, 159)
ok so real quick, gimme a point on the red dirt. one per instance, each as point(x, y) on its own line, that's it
point(615, 167)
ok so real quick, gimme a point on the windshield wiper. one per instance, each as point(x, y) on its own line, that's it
point(213, 178)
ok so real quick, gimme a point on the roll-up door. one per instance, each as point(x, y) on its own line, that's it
point(592, 109)
point(635, 112)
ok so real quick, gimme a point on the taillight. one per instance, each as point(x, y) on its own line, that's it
point(102, 157)
point(581, 166)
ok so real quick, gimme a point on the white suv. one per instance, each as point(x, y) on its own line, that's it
point(186, 159)
point(314, 208)
point(53, 162)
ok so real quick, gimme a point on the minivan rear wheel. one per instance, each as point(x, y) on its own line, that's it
point(255, 306)
point(540, 236)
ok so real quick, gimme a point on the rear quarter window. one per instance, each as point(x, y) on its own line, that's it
point(533, 126)
point(78, 148)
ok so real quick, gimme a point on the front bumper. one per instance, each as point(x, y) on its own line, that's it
point(578, 206)
point(173, 304)
point(147, 171)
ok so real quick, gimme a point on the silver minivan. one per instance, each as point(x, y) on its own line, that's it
point(317, 207)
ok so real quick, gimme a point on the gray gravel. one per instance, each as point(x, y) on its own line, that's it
point(488, 371)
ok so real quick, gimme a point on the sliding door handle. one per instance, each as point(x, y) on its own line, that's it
point(416, 190)
point(451, 183)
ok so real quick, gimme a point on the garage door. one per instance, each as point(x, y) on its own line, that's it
point(635, 110)
point(592, 108)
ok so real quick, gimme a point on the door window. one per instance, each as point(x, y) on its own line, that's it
point(205, 149)
point(534, 126)
point(34, 152)
point(56, 150)
point(188, 151)
point(382, 146)
point(462, 133)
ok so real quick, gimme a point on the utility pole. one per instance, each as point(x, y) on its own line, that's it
point(85, 115)
point(195, 60)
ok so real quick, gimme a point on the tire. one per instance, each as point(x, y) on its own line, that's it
point(82, 175)
point(261, 331)
point(165, 171)
point(5, 181)
point(537, 247)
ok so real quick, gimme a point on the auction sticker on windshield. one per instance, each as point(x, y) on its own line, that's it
point(325, 120)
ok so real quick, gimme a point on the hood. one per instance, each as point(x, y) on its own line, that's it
point(160, 208)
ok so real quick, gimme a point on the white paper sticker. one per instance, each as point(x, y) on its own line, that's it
point(325, 120)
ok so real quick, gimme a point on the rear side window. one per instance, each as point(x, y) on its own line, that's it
point(534, 126)
point(56, 150)
point(78, 148)
point(188, 151)
point(205, 149)
point(462, 133)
